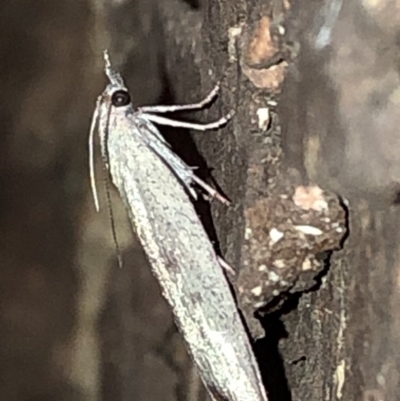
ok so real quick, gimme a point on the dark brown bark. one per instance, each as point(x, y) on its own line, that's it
point(340, 131)
point(337, 115)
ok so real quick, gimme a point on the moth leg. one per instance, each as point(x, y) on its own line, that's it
point(195, 126)
point(191, 106)
point(213, 192)
point(225, 265)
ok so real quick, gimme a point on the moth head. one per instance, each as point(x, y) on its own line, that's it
point(116, 93)
point(115, 97)
point(113, 76)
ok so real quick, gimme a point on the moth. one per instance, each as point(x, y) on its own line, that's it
point(156, 186)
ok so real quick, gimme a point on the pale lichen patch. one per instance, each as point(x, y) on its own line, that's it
point(309, 230)
point(257, 291)
point(275, 235)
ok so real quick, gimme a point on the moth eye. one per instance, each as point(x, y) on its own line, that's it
point(120, 98)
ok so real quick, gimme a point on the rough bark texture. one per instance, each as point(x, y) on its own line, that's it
point(314, 85)
point(339, 117)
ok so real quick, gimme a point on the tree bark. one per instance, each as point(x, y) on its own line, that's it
point(334, 126)
point(337, 123)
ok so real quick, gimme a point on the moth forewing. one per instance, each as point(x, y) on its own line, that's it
point(181, 256)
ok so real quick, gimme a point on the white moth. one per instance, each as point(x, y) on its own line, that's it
point(154, 184)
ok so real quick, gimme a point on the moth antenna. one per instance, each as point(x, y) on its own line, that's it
point(112, 220)
point(105, 159)
point(94, 124)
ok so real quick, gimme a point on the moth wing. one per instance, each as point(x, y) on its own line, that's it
point(184, 262)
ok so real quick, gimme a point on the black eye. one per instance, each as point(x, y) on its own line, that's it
point(120, 98)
